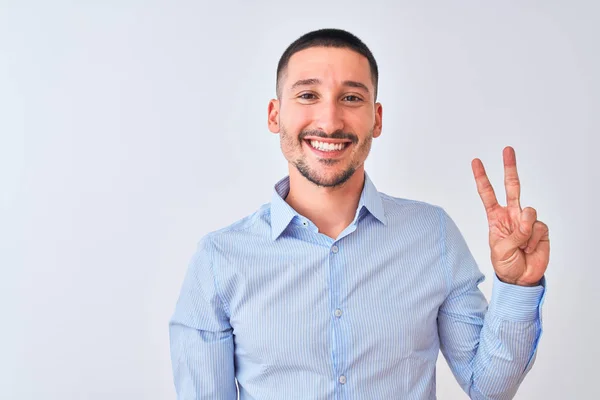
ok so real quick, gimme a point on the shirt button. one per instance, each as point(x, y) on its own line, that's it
point(338, 313)
point(304, 223)
point(342, 379)
point(334, 249)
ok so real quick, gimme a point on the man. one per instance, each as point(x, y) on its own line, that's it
point(336, 291)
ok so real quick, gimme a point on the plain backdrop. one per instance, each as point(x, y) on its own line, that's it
point(130, 129)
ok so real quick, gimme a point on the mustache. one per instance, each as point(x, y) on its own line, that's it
point(339, 134)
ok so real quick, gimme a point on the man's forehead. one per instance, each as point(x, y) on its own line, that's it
point(328, 62)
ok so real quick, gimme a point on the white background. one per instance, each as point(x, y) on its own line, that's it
point(128, 130)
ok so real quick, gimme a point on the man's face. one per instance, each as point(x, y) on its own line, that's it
point(326, 115)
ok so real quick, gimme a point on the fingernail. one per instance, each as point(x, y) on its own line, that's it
point(528, 250)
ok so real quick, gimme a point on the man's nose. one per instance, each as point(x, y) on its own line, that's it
point(329, 117)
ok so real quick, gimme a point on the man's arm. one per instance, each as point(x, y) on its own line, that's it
point(202, 349)
point(489, 349)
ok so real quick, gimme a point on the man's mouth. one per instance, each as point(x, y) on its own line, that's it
point(328, 146)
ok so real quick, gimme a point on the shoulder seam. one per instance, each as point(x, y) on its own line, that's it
point(215, 278)
point(444, 248)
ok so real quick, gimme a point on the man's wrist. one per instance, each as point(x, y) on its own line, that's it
point(518, 283)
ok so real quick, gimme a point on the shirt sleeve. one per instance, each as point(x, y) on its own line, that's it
point(489, 349)
point(201, 339)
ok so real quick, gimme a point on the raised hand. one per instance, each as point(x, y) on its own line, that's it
point(519, 243)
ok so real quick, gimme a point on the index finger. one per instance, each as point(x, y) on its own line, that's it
point(484, 187)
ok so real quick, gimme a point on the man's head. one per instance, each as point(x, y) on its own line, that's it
point(326, 111)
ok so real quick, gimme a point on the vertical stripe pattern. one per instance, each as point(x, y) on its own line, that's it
point(293, 314)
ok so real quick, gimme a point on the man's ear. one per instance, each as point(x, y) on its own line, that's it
point(273, 116)
point(378, 120)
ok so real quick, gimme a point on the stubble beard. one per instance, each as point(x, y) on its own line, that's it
point(295, 143)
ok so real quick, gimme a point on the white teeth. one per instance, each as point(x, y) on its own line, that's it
point(326, 146)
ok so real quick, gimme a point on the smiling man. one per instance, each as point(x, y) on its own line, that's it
point(334, 290)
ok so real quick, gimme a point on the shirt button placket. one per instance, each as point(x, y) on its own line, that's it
point(337, 312)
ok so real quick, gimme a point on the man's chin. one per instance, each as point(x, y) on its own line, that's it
point(327, 178)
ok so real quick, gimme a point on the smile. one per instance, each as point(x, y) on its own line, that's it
point(327, 146)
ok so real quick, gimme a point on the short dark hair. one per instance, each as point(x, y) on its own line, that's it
point(337, 38)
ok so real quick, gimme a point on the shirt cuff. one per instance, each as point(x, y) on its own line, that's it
point(517, 303)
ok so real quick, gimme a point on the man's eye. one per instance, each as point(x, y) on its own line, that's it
point(307, 96)
point(353, 98)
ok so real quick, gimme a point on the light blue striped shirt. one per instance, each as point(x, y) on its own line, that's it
point(294, 314)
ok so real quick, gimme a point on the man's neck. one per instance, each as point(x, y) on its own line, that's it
point(330, 209)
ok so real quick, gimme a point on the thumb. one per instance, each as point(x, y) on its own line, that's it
point(526, 220)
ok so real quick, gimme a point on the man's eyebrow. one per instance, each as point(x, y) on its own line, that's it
point(315, 81)
point(357, 85)
point(306, 82)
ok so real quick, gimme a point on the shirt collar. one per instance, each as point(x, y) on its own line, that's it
point(282, 213)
